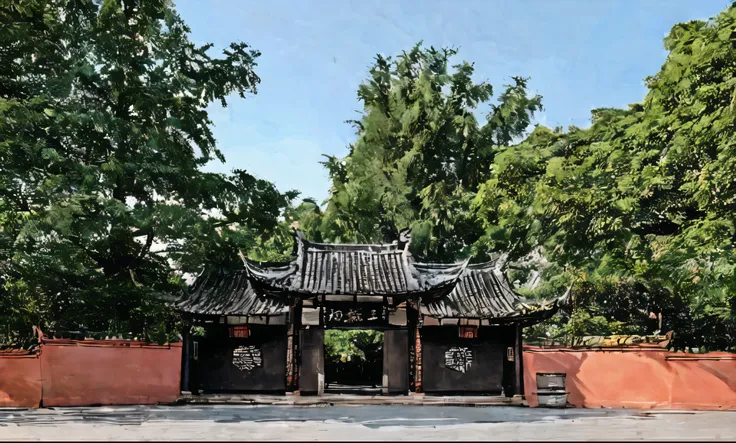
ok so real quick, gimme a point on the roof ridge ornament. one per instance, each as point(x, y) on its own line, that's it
point(499, 264)
point(296, 232)
point(299, 240)
point(564, 298)
point(404, 239)
point(300, 254)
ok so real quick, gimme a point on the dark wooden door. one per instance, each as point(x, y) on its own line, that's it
point(254, 364)
point(455, 365)
point(396, 360)
point(312, 358)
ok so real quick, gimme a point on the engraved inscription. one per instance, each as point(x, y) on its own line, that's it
point(246, 358)
point(458, 359)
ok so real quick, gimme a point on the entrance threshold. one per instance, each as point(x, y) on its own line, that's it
point(337, 388)
point(329, 399)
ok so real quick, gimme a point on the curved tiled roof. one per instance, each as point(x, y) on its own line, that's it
point(220, 292)
point(483, 291)
point(322, 268)
point(456, 290)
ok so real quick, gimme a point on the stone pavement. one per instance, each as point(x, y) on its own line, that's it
point(229, 422)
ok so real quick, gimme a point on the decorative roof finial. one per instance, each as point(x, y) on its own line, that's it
point(298, 232)
point(405, 239)
point(299, 240)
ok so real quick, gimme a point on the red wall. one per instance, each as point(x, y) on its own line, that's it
point(636, 377)
point(81, 373)
point(20, 381)
point(119, 372)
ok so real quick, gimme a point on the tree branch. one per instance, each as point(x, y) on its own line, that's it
point(145, 248)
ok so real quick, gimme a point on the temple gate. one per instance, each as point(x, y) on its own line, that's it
point(448, 328)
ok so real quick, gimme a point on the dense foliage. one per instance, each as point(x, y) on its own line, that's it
point(421, 153)
point(645, 196)
point(103, 131)
point(353, 356)
point(637, 211)
point(103, 204)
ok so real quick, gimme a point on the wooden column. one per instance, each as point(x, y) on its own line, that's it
point(518, 362)
point(194, 344)
point(411, 326)
point(418, 374)
point(413, 320)
point(418, 349)
point(311, 361)
point(292, 367)
point(185, 355)
point(396, 361)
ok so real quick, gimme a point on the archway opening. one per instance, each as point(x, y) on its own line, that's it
point(353, 361)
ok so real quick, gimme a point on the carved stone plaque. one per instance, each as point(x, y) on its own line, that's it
point(459, 359)
point(246, 358)
point(339, 314)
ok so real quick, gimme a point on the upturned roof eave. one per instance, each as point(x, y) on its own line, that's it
point(528, 318)
point(417, 275)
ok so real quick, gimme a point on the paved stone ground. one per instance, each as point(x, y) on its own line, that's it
point(228, 422)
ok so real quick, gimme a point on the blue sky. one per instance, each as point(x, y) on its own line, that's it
point(580, 55)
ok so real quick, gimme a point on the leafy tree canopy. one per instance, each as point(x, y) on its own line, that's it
point(645, 196)
point(636, 209)
point(421, 153)
point(103, 131)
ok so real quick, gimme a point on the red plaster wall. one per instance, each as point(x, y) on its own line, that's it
point(20, 381)
point(641, 378)
point(109, 373)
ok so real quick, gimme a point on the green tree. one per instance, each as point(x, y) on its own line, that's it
point(103, 131)
point(344, 345)
point(421, 154)
point(279, 247)
point(353, 356)
point(645, 196)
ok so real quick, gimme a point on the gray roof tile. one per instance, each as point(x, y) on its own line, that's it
point(219, 292)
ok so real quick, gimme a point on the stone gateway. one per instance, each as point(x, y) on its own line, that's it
point(447, 328)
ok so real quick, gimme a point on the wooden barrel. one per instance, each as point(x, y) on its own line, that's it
point(551, 389)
